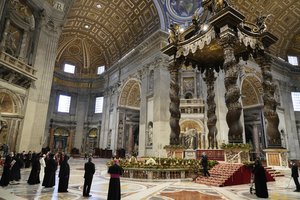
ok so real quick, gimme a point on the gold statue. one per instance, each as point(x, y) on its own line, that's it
point(173, 33)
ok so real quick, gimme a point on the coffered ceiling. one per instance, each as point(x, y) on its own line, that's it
point(284, 20)
point(100, 32)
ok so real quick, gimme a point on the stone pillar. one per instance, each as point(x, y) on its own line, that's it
point(211, 104)
point(39, 93)
point(130, 138)
point(255, 137)
point(174, 104)
point(270, 104)
point(51, 131)
point(232, 94)
point(80, 117)
point(70, 140)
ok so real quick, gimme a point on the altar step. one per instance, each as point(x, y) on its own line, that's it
point(274, 173)
point(226, 174)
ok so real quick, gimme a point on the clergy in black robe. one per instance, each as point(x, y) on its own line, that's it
point(204, 163)
point(114, 189)
point(5, 178)
point(89, 170)
point(16, 168)
point(295, 175)
point(260, 180)
point(28, 159)
point(49, 177)
point(64, 175)
point(34, 177)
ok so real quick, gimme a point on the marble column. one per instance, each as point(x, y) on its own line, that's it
point(270, 104)
point(255, 137)
point(211, 104)
point(232, 94)
point(174, 104)
point(130, 138)
point(51, 142)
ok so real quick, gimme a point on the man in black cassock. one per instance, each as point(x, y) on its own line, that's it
point(28, 159)
point(260, 180)
point(16, 168)
point(89, 170)
point(295, 176)
point(49, 177)
point(64, 175)
point(114, 189)
point(34, 177)
point(204, 163)
point(5, 178)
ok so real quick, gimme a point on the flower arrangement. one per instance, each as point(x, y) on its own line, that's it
point(239, 146)
point(163, 163)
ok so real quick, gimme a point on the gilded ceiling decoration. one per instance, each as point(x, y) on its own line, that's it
point(283, 21)
point(108, 29)
point(294, 47)
point(100, 32)
point(130, 95)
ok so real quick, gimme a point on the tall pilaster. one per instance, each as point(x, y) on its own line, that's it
point(174, 104)
point(270, 104)
point(39, 93)
point(211, 104)
point(232, 95)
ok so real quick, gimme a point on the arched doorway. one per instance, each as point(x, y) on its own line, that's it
point(129, 117)
point(252, 92)
point(61, 141)
point(11, 118)
point(91, 140)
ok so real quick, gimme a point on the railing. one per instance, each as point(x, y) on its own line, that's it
point(231, 160)
point(196, 102)
point(17, 65)
point(192, 106)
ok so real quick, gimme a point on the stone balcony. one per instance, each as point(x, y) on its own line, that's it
point(16, 71)
point(192, 106)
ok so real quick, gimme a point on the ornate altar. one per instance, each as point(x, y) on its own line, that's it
point(217, 39)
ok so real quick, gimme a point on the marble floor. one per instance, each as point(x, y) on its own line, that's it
point(281, 189)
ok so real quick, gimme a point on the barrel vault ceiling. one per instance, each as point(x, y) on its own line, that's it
point(100, 32)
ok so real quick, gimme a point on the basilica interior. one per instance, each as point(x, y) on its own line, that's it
point(130, 77)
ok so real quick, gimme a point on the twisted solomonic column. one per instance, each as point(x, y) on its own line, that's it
point(232, 95)
point(174, 104)
point(211, 108)
point(270, 104)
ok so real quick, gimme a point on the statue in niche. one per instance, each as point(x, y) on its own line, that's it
point(151, 80)
point(189, 139)
point(150, 134)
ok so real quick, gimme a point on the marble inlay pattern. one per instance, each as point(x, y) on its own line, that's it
point(142, 190)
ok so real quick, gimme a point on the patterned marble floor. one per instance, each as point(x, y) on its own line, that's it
point(138, 190)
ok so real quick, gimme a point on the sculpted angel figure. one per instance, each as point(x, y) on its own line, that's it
point(173, 33)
